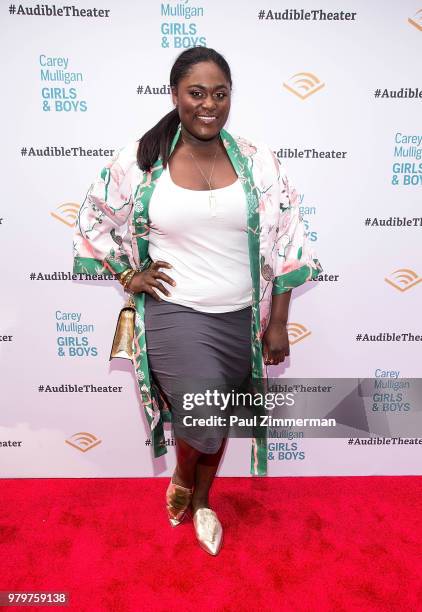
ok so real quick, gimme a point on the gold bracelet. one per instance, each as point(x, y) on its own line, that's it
point(123, 275)
point(128, 278)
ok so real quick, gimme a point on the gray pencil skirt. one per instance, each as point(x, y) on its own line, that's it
point(190, 352)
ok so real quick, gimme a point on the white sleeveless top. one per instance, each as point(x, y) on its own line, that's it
point(206, 245)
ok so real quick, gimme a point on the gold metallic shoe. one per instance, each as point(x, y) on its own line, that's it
point(209, 530)
point(178, 500)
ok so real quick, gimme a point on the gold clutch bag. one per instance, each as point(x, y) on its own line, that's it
point(125, 331)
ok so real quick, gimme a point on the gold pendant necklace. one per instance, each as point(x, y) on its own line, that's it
point(213, 204)
point(211, 198)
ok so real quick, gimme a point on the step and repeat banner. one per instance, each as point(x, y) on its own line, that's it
point(335, 90)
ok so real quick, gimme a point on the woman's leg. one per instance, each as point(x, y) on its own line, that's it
point(206, 469)
point(196, 469)
point(187, 458)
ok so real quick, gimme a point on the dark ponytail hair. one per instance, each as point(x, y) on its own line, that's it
point(156, 142)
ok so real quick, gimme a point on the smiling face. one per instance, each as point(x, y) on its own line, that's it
point(203, 100)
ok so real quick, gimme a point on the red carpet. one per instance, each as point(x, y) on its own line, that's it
point(291, 544)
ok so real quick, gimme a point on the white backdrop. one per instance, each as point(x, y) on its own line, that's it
point(348, 52)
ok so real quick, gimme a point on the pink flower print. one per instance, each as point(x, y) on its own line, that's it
point(117, 173)
point(246, 148)
point(284, 222)
point(265, 201)
point(289, 266)
point(293, 197)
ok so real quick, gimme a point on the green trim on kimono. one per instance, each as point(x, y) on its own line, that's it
point(156, 409)
point(293, 279)
point(109, 267)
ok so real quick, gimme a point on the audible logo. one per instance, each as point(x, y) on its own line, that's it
point(304, 84)
point(296, 332)
point(83, 441)
point(417, 20)
point(67, 213)
point(403, 279)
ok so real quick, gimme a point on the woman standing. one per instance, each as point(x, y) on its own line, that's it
point(205, 231)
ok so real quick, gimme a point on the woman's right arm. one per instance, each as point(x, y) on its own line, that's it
point(102, 243)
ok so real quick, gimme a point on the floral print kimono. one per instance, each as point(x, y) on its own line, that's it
point(112, 232)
